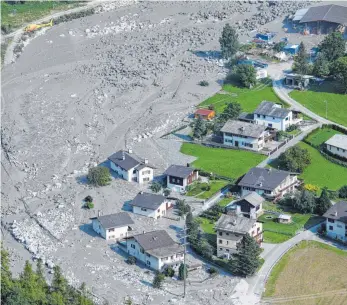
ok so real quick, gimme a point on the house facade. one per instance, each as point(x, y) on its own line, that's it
point(268, 182)
point(250, 205)
point(336, 221)
point(337, 145)
point(156, 249)
point(178, 177)
point(273, 116)
point(113, 226)
point(151, 205)
point(230, 231)
point(244, 135)
point(130, 167)
point(205, 114)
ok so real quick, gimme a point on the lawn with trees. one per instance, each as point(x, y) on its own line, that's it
point(321, 135)
point(225, 162)
point(204, 190)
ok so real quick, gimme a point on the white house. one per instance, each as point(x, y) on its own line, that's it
point(244, 135)
point(336, 221)
point(271, 183)
point(156, 249)
point(337, 145)
point(250, 205)
point(113, 226)
point(230, 231)
point(130, 167)
point(151, 205)
point(273, 116)
point(178, 177)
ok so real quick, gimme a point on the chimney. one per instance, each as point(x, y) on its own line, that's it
point(123, 155)
point(99, 213)
point(335, 213)
point(130, 151)
point(140, 192)
point(242, 128)
point(146, 161)
point(143, 232)
point(238, 210)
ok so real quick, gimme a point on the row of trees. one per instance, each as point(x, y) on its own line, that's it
point(31, 287)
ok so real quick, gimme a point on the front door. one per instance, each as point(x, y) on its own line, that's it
point(237, 143)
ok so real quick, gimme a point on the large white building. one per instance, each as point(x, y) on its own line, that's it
point(244, 135)
point(113, 226)
point(178, 177)
point(337, 145)
point(336, 221)
point(156, 249)
point(273, 116)
point(151, 205)
point(271, 183)
point(130, 167)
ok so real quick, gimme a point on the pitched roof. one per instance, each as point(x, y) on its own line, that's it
point(245, 116)
point(148, 200)
point(204, 111)
point(284, 216)
point(114, 220)
point(243, 128)
point(331, 13)
point(338, 211)
point(264, 178)
point(272, 109)
point(236, 224)
point(253, 198)
point(130, 160)
point(338, 140)
point(179, 171)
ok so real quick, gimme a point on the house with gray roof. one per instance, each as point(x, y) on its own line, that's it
point(273, 116)
point(178, 177)
point(131, 167)
point(151, 205)
point(336, 221)
point(244, 135)
point(230, 231)
point(269, 182)
point(112, 226)
point(156, 249)
point(337, 145)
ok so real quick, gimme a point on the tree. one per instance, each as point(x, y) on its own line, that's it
point(40, 274)
point(333, 46)
point(156, 187)
point(158, 280)
point(204, 248)
point(6, 275)
point(321, 66)
point(278, 47)
point(301, 65)
point(304, 202)
point(199, 129)
point(59, 283)
point(229, 42)
point(246, 260)
point(182, 271)
point(294, 159)
point(167, 192)
point(231, 112)
point(247, 75)
point(339, 69)
point(99, 176)
point(189, 220)
point(128, 301)
point(343, 192)
point(323, 202)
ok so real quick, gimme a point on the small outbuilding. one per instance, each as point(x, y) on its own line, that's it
point(205, 114)
point(284, 218)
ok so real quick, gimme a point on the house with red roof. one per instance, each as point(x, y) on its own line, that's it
point(205, 114)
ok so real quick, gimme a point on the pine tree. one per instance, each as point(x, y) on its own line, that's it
point(189, 220)
point(6, 275)
point(199, 128)
point(321, 66)
point(229, 42)
point(182, 272)
point(304, 202)
point(323, 202)
point(231, 112)
point(158, 280)
point(301, 65)
point(246, 261)
point(333, 46)
point(59, 283)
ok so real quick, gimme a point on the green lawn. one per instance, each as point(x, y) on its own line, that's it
point(248, 98)
point(16, 15)
point(314, 100)
point(322, 172)
point(274, 238)
point(206, 225)
point(321, 135)
point(225, 201)
point(197, 189)
point(225, 162)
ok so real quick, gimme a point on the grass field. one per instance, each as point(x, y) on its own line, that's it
point(321, 135)
point(248, 98)
point(225, 162)
point(309, 268)
point(197, 189)
point(206, 225)
point(322, 172)
point(16, 15)
point(314, 100)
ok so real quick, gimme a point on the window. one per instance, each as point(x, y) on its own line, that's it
point(220, 233)
point(227, 250)
point(146, 179)
point(227, 242)
point(273, 117)
point(111, 230)
point(258, 229)
point(172, 257)
point(134, 171)
point(146, 172)
point(158, 210)
point(287, 118)
point(132, 246)
point(258, 115)
point(142, 251)
point(339, 226)
point(331, 228)
point(331, 220)
point(270, 125)
point(143, 209)
point(267, 192)
point(264, 116)
point(227, 233)
point(148, 255)
point(148, 263)
point(338, 149)
point(220, 249)
point(220, 241)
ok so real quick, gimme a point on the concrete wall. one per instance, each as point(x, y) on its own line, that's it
point(337, 151)
point(126, 175)
point(143, 174)
point(242, 142)
point(338, 230)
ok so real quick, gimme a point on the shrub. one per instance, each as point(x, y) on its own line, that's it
point(292, 128)
point(131, 260)
point(204, 83)
point(295, 159)
point(169, 271)
point(156, 187)
point(182, 272)
point(343, 192)
point(88, 199)
point(311, 188)
point(167, 192)
point(158, 280)
point(99, 176)
point(211, 107)
point(89, 205)
point(228, 195)
point(212, 270)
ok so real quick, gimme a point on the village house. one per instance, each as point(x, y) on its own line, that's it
point(284, 218)
point(250, 205)
point(205, 114)
point(130, 167)
point(273, 116)
point(178, 177)
point(112, 226)
point(156, 249)
point(271, 183)
point(244, 135)
point(336, 221)
point(151, 205)
point(230, 231)
point(337, 145)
